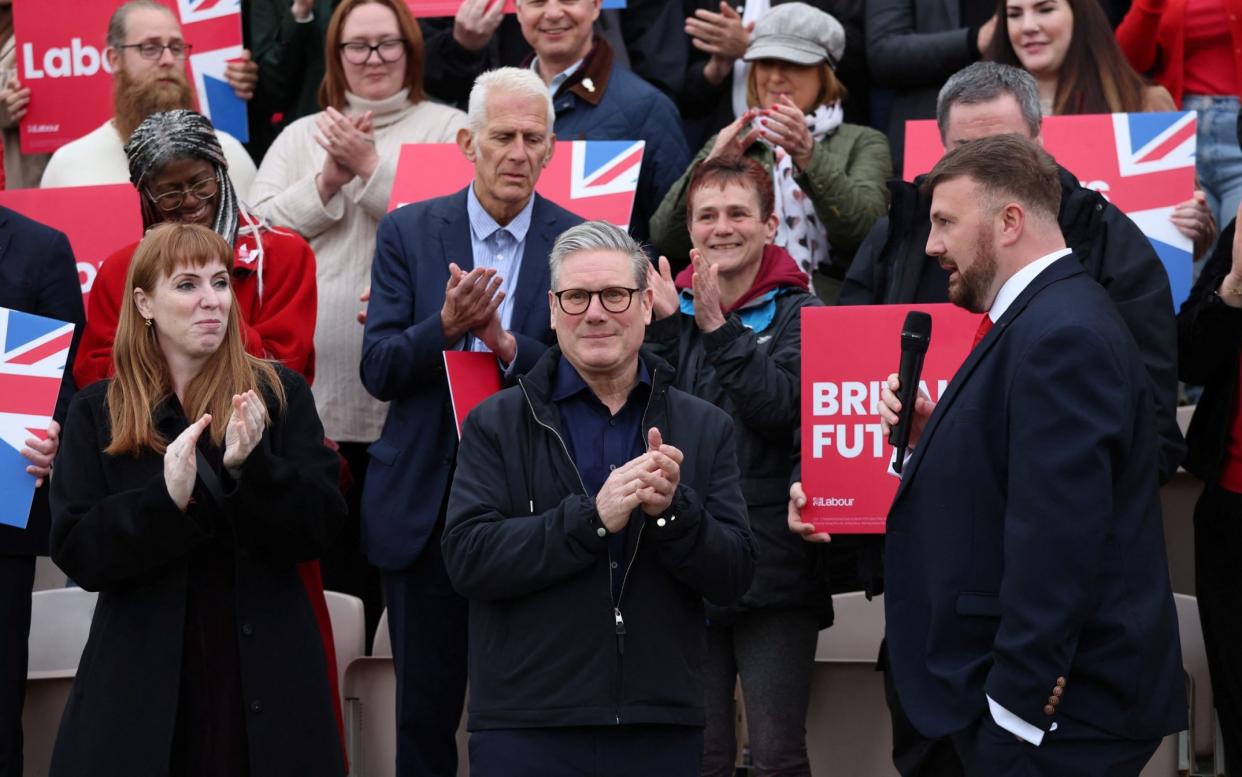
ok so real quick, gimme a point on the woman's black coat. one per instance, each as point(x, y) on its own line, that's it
point(116, 530)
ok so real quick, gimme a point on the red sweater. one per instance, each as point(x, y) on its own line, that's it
point(1153, 38)
point(280, 326)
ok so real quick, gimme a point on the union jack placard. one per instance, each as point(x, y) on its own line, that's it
point(213, 27)
point(596, 179)
point(1143, 163)
point(33, 361)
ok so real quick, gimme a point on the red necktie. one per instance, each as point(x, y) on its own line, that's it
point(985, 326)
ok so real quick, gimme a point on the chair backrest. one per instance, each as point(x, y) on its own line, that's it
point(1194, 659)
point(382, 646)
point(349, 631)
point(60, 621)
point(857, 637)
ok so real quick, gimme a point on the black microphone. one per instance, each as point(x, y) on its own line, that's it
point(915, 337)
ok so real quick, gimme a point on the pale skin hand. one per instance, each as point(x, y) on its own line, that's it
point(41, 453)
point(499, 340)
point(16, 99)
point(1231, 285)
point(349, 140)
point(476, 21)
point(659, 485)
point(797, 501)
point(468, 300)
point(706, 286)
point(661, 282)
point(180, 464)
point(364, 297)
point(785, 125)
point(890, 406)
point(243, 75)
point(301, 8)
point(1193, 218)
point(732, 141)
point(244, 430)
point(986, 32)
point(336, 171)
point(720, 34)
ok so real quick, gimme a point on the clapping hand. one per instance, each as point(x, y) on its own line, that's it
point(723, 35)
point(733, 140)
point(470, 299)
point(476, 21)
point(181, 464)
point(244, 430)
point(785, 125)
point(661, 282)
point(364, 298)
point(707, 312)
point(348, 140)
point(659, 479)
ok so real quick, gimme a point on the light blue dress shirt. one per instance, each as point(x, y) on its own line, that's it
point(499, 248)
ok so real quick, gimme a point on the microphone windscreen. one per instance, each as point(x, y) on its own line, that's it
point(916, 332)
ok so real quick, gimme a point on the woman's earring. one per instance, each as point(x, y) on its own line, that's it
point(147, 321)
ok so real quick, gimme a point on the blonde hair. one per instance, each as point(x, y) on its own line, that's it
point(830, 87)
point(142, 379)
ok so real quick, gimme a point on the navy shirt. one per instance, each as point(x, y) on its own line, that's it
point(599, 441)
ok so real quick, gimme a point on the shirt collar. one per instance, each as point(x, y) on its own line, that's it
point(568, 382)
point(1018, 282)
point(483, 225)
point(559, 78)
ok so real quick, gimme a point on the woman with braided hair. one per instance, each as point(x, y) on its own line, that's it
point(181, 174)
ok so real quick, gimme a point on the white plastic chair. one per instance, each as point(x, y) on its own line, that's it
point(848, 728)
point(349, 631)
point(60, 621)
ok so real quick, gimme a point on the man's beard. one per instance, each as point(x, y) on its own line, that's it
point(975, 284)
point(134, 100)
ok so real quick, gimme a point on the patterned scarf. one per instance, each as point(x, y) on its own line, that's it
point(800, 231)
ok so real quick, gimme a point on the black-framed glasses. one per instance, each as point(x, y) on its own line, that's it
point(203, 190)
point(357, 52)
point(151, 50)
point(615, 299)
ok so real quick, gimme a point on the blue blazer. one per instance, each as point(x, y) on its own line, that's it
point(1025, 542)
point(411, 467)
point(39, 275)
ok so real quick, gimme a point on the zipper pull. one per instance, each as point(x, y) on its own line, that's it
point(616, 614)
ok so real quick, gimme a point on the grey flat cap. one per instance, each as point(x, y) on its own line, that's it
point(798, 33)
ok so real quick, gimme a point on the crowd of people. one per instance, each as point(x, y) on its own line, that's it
point(256, 407)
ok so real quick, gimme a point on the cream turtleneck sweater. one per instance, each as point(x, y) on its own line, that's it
point(342, 234)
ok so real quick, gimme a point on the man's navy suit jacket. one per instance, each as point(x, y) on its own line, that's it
point(1025, 542)
point(39, 275)
point(402, 361)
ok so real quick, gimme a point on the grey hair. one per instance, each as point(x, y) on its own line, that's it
point(983, 82)
point(598, 236)
point(116, 25)
point(510, 81)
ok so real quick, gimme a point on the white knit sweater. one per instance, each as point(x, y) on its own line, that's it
point(342, 234)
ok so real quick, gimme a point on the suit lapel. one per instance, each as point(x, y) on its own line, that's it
point(532, 282)
point(455, 236)
point(1062, 268)
point(6, 234)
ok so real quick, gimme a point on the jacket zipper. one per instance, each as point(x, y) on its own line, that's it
point(618, 619)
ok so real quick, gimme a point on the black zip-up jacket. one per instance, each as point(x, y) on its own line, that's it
point(892, 266)
point(523, 542)
point(755, 377)
point(1209, 336)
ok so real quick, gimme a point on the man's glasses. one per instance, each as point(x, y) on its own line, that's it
point(203, 190)
point(357, 52)
point(615, 299)
point(151, 50)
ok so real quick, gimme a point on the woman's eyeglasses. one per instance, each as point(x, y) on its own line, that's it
point(203, 190)
point(357, 52)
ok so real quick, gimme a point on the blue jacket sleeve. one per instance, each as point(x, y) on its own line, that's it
point(400, 352)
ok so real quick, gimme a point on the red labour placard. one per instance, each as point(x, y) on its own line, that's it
point(847, 352)
point(473, 376)
point(98, 220)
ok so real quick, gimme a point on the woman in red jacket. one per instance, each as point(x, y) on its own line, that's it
point(1194, 49)
point(179, 169)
